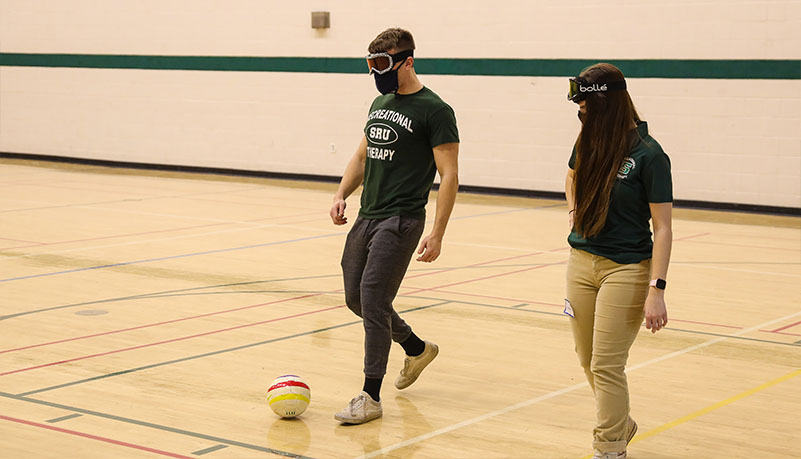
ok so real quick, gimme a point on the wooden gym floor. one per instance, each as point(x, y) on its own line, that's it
point(143, 314)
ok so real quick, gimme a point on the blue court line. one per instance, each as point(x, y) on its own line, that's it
point(171, 257)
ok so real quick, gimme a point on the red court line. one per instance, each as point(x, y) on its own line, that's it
point(482, 263)
point(690, 237)
point(111, 332)
point(513, 300)
point(742, 245)
point(19, 240)
point(705, 323)
point(94, 437)
point(781, 333)
point(151, 232)
point(488, 277)
point(198, 335)
point(786, 327)
point(247, 325)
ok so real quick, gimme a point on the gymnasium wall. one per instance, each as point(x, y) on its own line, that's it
point(730, 122)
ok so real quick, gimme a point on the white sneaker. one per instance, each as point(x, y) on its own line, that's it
point(612, 455)
point(362, 408)
point(413, 366)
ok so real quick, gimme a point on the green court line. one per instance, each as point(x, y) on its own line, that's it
point(152, 425)
point(209, 450)
point(751, 69)
point(64, 418)
point(209, 354)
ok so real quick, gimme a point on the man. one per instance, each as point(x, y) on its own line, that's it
point(410, 135)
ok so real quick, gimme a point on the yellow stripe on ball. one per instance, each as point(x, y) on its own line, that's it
point(289, 397)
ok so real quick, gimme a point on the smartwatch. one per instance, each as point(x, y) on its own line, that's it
point(658, 283)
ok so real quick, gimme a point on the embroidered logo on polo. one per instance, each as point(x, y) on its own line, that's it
point(626, 168)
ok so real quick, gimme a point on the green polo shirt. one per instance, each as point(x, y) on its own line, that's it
point(643, 178)
point(402, 131)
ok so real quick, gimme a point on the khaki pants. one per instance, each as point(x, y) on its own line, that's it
point(607, 300)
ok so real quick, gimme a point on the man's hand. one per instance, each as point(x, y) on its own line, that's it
point(338, 212)
point(430, 248)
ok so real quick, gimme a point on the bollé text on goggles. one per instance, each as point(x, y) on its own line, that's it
point(579, 88)
point(382, 63)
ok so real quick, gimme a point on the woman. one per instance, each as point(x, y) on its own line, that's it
point(618, 179)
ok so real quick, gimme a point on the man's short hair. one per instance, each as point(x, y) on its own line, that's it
point(394, 38)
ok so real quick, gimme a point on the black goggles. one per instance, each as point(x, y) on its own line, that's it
point(579, 88)
point(381, 63)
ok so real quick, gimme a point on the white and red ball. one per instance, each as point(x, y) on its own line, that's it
point(289, 396)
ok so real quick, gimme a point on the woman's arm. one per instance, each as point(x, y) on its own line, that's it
point(655, 308)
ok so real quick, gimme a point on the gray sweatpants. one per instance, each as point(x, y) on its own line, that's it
point(376, 255)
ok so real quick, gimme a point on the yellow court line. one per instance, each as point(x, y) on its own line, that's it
point(715, 406)
point(711, 408)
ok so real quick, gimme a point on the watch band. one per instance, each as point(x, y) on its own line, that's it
point(658, 283)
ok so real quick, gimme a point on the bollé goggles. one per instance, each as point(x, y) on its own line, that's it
point(382, 63)
point(579, 88)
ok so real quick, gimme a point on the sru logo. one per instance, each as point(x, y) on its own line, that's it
point(381, 134)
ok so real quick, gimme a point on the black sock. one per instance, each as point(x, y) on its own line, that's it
point(413, 345)
point(373, 387)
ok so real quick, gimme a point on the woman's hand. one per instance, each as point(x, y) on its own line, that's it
point(655, 310)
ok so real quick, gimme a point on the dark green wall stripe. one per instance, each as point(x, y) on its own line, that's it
point(634, 68)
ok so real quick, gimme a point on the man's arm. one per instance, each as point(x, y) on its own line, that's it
point(351, 179)
point(446, 157)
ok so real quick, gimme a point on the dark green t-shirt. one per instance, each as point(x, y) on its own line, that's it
point(644, 177)
point(402, 131)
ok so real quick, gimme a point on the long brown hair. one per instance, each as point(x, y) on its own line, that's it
point(604, 141)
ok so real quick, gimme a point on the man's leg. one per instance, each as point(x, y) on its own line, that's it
point(392, 244)
point(389, 245)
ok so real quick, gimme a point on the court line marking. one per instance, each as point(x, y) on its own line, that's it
point(117, 201)
point(111, 332)
point(682, 330)
point(751, 271)
point(24, 398)
point(785, 333)
point(307, 295)
point(115, 236)
point(733, 244)
point(144, 424)
point(64, 418)
point(787, 326)
point(209, 450)
point(559, 392)
point(206, 252)
point(167, 292)
point(173, 257)
point(220, 351)
point(94, 437)
point(715, 406)
point(171, 340)
point(250, 227)
point(247, 325)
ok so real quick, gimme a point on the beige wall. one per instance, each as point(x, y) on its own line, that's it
point(729, 140)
